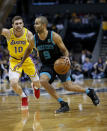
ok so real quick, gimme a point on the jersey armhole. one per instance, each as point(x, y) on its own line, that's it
point(52, 37)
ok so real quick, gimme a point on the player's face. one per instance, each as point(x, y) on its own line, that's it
point(18, 25)
point(38, 26)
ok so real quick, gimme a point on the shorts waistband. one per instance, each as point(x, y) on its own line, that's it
point(16, 58)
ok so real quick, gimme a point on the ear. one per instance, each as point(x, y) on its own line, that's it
point(23, 23)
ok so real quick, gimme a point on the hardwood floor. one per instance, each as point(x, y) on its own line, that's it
point(83, 115)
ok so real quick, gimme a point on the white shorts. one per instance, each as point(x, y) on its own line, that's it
point(13, 75)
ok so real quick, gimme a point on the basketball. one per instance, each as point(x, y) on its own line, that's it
point(62, 65)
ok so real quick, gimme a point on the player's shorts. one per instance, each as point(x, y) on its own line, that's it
point(28, 66)
point(49, 71)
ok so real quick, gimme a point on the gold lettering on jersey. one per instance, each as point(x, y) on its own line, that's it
point(17, 42)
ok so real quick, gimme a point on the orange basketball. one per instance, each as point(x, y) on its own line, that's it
point(62, 65)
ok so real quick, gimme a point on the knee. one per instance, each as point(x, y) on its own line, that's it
point(13, 83)
point(66, 85)
point(44, 82)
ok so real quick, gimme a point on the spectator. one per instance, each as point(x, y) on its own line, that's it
point(82, 57)
point(99, 69)
point(77, 72)
point(87, 68)
point(88, 54)
point(4, 70)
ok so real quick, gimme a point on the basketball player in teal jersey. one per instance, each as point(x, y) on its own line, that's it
point(51, 47)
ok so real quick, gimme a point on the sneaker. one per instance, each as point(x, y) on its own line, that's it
point(24, 101)
point(64, 107)
point(36, 92)
point(93, 97)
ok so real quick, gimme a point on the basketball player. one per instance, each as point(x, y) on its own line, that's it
point(51, 47)
point(18, 39)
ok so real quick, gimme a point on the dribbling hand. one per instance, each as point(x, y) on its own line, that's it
point(67, 59)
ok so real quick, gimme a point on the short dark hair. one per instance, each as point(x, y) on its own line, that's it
point(16, 18)
point(43, 20)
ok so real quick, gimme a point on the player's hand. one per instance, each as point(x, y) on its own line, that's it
point(17, 66)
point(67, 59)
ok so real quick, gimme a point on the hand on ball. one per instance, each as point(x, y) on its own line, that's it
point(67, 59)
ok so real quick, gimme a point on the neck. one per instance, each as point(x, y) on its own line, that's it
point(18, 34)
point(43, 34)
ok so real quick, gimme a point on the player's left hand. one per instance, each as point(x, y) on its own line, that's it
point(17, 66)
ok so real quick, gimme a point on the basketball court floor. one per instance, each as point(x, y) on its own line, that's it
point(40, 116)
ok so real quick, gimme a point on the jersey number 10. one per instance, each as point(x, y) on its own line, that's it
point(18, 49)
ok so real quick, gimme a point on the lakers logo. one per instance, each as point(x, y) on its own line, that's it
point(17, 42)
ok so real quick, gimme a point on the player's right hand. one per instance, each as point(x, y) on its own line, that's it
point(67, 59)
point(17, 66)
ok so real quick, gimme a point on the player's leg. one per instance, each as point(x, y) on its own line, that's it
point(14, 78)
point(47, 76)
point(68, 85)
point(44, 80)
point(36, 85)
point(30, 70)
point(76, 88)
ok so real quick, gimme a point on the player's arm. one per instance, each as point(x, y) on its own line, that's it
point(30, 47)
point(31, 40)
point(6, 33)
point(58, 40)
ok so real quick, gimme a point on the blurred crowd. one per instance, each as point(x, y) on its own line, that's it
point(85, 68)
point(4, 64)
point(84, 1)
point(72, 1)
